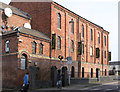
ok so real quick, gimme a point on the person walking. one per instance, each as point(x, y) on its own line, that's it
point(59, 85)
point(25, 86)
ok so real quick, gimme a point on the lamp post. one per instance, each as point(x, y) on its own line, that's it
point(69, 53)
point(60, 57)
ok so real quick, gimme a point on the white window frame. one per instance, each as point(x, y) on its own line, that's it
point(91, 51)
point(7, 46)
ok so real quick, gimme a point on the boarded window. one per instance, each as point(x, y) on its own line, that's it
point(79, 48)
point(97, 52)
point(53, 41)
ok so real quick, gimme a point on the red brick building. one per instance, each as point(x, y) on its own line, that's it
point(54, 22)
point(23, 47)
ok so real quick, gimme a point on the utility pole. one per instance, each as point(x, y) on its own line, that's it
point(69, 53)
point(60, 57)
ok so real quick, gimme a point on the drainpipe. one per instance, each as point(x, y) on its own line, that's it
point(65, 35)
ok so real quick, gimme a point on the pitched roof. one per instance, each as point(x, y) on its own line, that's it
point(31, 32)
point(15, 10)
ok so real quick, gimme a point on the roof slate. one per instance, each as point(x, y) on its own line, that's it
point(27, 31)
point(15, 10)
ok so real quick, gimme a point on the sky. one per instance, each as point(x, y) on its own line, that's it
point(100, 12)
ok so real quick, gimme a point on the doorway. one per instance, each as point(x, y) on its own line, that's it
point(72, 72)
point(82, 72)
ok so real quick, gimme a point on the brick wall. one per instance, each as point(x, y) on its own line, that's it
point(13, 21)
point(40, 14)
point(49, 26)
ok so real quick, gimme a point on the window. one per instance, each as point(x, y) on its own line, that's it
point(97, 52)
point(104, 54)
point(104, 40)
point(72, 27)
point(98, 38)
point(7, 46)
point(53, 41)
point(91, 51)
point(59, 20)
point(72, 46)
point(109, 56)
point(82, 31)
point(33, 47)
point(58, 42)
point(82, 49)
point(40, 48)
point(23, 62)
point(79, 48)
point(91, 35)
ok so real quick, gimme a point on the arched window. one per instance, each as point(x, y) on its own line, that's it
point(33, 47)
point(24, 62)
point(91, 51)
point(91, 35)
point(82, 49)
point(72, 46)
point(98, 38)
point(59, 20)
point(104, 54)
point(7, 46)
point(104, 40)
point(72, 26)
point(82, 31)
point(40, 48)
point(58, 42)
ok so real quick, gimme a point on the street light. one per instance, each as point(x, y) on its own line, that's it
point(60, 57)
point(69, 53)
point(79, 63)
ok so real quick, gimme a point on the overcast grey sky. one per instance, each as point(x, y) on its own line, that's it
point(101, 12)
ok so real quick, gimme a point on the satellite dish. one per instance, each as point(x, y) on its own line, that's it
point(8, 12)
point(27, 25)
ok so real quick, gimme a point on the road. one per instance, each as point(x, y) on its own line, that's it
point(108, 87)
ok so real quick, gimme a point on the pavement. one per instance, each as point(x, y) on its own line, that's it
point(92, 87)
